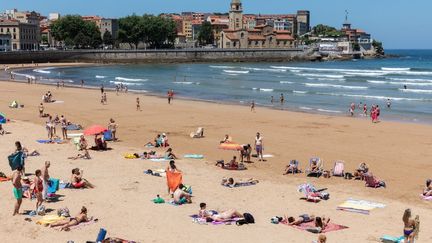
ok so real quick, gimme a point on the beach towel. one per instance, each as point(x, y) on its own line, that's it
point(117, 240)
point(311, 225)
point(130, 156)
point(197, 219)
point(3, 179)
point(73, 127)
point(268, 156)
point(193, 156)
point(53, 185)
point(49, 219)
point(427, 198)
point(174, 179)
point(159, 160)
point(158, 172)
point(79, 226)
point(46, 141)
point(240, 184)
point(233, 168)
point(392, 239)
point(16, 159)
point(359, 206)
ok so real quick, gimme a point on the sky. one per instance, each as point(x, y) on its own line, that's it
point(399, 24)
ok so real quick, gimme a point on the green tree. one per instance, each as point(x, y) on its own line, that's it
point(159, 32)
point(131, 30)
point(108, 39)
point(205, 35)
point(325, 30)
point(70, 27)
point(378, 46)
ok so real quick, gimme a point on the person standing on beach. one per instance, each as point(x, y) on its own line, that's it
point(112, 126)
point(38, 188)
point(378, 112)
point(388, 103)
point(117, 89)
point(104, 98)
point(272, 100)
point(352, 109)
point(82, 82)
point(259, 146)
point(102, 89)
point(170, 95)
point(41, 110)
point(58, 84)
point(50, 127)
point(138, 106)
point(45, 178)
point(17, 189)
point(411, 226)
point(253, 106)
point(63, 83)
point(282, 99)
point(365, 110)
point(63, 123)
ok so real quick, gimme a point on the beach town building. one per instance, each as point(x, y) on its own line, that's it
point(109, 25)
point(24, 36)
point(5, 42)
point(263, 35)
point(218, 24)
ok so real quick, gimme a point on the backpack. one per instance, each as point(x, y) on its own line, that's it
point(247, 219)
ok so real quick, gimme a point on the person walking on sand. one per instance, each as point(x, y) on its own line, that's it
point(253, 106)
point(62, 83)
point(117, 89)
point(259, 146)
point(112, 126)
point(82, 83)
point(365, 110)
point(170, 95)
point(378, 113)
point(282, 99)
point(352, 109)
point(38, 188)
point(138, 106)
point(102, 89)
point(41, 110)
point(45, 178)
point(17, 189)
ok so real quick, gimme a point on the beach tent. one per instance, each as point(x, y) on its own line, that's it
point(95, 129)
point(2, 118)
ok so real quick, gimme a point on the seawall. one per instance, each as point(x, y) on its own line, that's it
point(158, 56)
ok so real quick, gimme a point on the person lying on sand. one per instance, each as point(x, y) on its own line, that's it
point(67, 223)
point(181, 197)
point(32, 153)
point(84, 155)
point(320, 225)
point(226, 139)
point(304, 218)
point(218, 217)
point(231, 183)
point(78, 181)
point(170, 155)
point(428, 189)
point(361, 171)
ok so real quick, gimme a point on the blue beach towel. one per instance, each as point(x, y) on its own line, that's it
point(73, 127)
point(46, 141)
point(16, 159)
point(391, 239)
point(193, 156)
point(53, 185)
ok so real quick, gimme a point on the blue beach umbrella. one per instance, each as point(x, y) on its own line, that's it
point(2, 118)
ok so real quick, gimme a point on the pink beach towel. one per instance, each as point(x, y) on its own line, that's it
point(330, 227)
point(429, 198)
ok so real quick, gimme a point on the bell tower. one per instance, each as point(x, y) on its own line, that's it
point(236, 15)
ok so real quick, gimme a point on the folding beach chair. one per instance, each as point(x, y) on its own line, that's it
point(294, 167)
point(339, 168)
point(319, 164)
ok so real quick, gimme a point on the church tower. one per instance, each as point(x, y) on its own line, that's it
point(236, 15)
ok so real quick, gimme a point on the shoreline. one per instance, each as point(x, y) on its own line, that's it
point(395, 118)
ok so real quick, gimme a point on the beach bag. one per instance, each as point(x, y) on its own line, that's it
point(63, 212)
point(41, 210)
point(249, 218)
point(325, 195)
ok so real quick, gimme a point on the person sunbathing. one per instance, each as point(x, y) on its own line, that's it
point(181, 197)
point(427, 192)
point(226, 139)
point(218, 217)
point(32, 153)
point(231, 183)
point(292, 167)
point(78, 181)
point(361, 171)
point(233, 163)
point(67, 223)
point(320, 225)
point(85, 155)
point(314, 167)
point(304, 218)
point(169, 154)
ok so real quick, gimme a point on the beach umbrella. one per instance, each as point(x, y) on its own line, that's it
point(95, 129)
point(2, 118)
point(230, 146)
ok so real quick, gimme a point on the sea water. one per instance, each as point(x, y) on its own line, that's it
point(322, 87)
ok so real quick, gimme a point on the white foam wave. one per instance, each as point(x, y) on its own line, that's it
point(124, 83)
point(42, 70)
point(328, 79)
point(358, 71)
point(365, 74)
point(411, 80)
point(236, 71)
point(420, 91)
point(377, 82)
point(285, 82)
point(395, 69)
point(294, 71)
point(264, 69)
point(186, 83)
point(334, 86)
point(329, 111)
point(375, 97)
point(131, 79)
point(222, 67)
point(299, 92)
point(266, 90)
point(305, 108)
point(100, 76)
point(321, 75)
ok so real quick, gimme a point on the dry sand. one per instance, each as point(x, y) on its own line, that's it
point(396, 152)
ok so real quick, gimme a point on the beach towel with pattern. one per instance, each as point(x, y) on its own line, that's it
point(311, 225)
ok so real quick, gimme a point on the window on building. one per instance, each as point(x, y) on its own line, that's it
point(14, 46)
point(242, 35)
point(1, 30)
point(256, 43)
point(250, 43)
point(14, 30)
point(14, 37)
point(271, 39)
point(278, 42)
point(234, 43)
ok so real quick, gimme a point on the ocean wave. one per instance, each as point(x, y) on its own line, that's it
point(41, 70)
point(236, 71)
point(222, 67)
point(411, 80)
point(321, 75)
point(124, 83)
point(365, 74)
point(334, 86)
point(328, 79)
point(305, 108)
point(295, 71)
point(264, 69)
point(377, 82)
point(100, 76)
point(266, 90)
point(299, 92)
point(329, 111)
point(358, 71)
point(395, 69)
point(186, 83)
point(131, 79)
point(420, 91)
point(375, 97)
point(285, 82)
point(398, 83)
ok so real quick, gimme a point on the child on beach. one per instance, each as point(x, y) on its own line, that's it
point(253, 106)
point(138, 106)
point(38, 188)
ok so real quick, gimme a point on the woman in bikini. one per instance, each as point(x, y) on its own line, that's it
point(427, 192)
point(67, 223)
point(38, 188)
point(112, 126)
point(218, 217)
point(78, 181)
point(410, 226)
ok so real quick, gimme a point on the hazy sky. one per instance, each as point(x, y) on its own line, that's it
point(398, 23)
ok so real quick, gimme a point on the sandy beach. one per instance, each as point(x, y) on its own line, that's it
point(398, 153)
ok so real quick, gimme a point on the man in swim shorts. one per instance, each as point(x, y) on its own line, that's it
point(181, 197)
point(17, 190)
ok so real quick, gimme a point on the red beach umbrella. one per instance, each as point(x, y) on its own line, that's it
point(95, 129)
point(230, 146)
